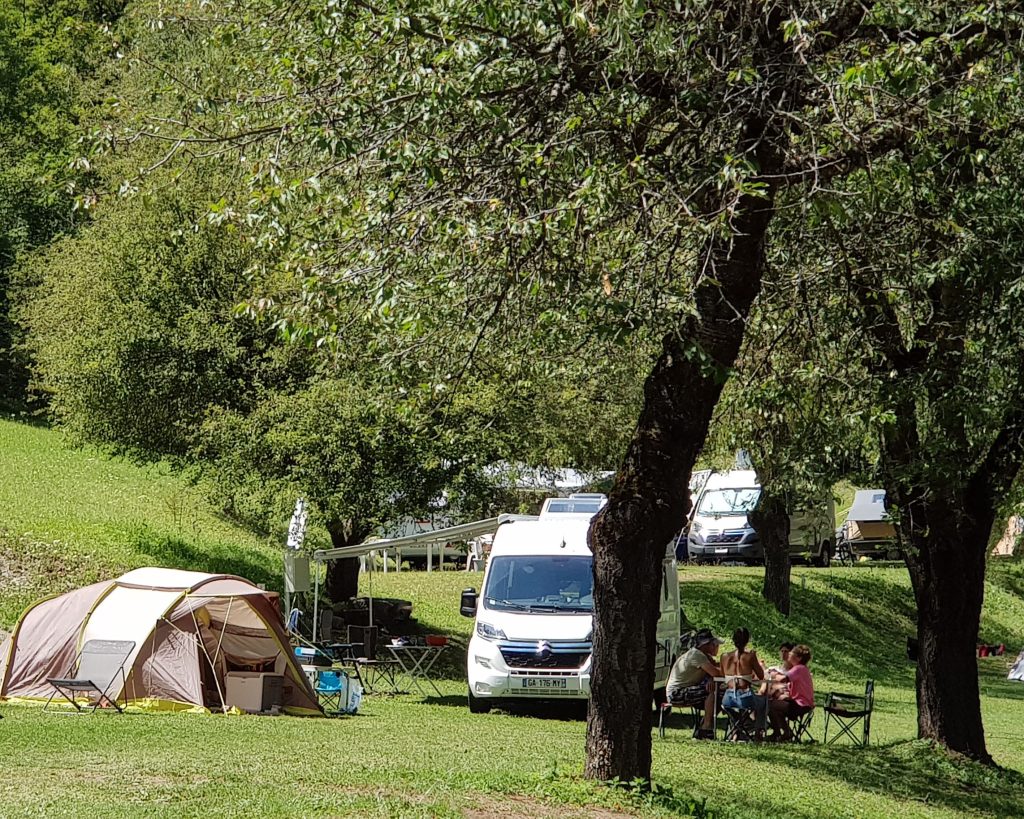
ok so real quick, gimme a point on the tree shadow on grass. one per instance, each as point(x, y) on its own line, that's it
point(994, 684)
point(915, 771)
point(853, 636)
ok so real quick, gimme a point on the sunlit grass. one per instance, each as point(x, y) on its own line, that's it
point(72, 516)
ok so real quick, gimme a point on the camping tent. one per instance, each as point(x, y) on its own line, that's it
point(191, 631)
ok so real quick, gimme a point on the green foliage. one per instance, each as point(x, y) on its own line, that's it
point(133, 326)
point(48, 52)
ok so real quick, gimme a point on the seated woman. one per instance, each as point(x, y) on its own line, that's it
point(741, 668)
point(801, 694)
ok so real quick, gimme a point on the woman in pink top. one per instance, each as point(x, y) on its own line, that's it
point(801, 694)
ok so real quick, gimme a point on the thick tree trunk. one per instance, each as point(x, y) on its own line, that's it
point(771, 520)
point(342, 582)
point(946, 561)
point(648, 503)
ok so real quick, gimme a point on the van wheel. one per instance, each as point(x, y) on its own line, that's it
point(824, 556)
point(478, 705)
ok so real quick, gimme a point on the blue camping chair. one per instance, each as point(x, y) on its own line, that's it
point(332, 688)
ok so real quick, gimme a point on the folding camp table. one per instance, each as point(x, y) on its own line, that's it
point(415, 663)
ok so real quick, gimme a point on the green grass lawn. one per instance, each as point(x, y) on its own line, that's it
point(72, 516)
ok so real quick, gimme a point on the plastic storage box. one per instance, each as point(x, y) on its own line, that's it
point(253, 691)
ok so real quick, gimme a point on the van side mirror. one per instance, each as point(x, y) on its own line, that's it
point(467, 605)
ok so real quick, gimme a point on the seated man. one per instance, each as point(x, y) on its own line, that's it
point(691, 681)
point(801, 694)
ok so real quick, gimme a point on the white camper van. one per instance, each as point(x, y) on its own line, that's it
point(534, 617)
point(720, 529)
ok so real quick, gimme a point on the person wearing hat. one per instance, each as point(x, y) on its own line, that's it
point(691, 681)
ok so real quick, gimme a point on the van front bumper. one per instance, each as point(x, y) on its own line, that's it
point(724, 551)
point(490, 676)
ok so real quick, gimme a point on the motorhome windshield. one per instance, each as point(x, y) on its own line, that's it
point(547, 583)
point(728, 502)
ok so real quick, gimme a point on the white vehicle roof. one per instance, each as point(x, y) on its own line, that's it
point(538, 537)
point(733, 479)
point(868, 505)
point(581, 506)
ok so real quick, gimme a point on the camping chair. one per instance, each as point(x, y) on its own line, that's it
point(741, 724)
point(330, 688)
point(801, 727)
point(665, 708)
point(849, 709)
point(696, 714)
point(98, 664)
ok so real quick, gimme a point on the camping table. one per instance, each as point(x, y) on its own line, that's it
point(416, 662)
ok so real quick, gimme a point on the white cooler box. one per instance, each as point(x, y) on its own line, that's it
point(253, 691)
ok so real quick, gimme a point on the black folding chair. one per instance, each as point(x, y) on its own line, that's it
point(801, 727)
point(95, 670)
point(741, 724)
point(665, 708)
point(847, 710)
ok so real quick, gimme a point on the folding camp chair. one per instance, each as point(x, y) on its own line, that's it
point(741, 724)
point(846, 710)
point(330, 688)
point(801, 727)
point(98, 666)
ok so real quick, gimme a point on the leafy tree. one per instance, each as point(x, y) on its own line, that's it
point(49, 52)
point(133, 327)
point(619, 166)
point(935, 294)
point(798, 402)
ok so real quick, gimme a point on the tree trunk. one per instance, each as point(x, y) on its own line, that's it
point(342, 582)
point(947, 570)
point(648, 502)
point(771, 521)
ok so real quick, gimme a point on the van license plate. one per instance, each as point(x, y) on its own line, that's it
point(538, 682)
point(721, 551)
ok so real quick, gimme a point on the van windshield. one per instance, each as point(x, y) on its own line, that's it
point(723, 502)
point(551, 583)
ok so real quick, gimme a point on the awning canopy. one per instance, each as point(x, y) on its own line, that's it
point(464, 531)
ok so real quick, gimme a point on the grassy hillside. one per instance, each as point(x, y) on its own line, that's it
point(72, 516)
point(69, 517)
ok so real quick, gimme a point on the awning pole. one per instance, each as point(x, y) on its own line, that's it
point(316, 598)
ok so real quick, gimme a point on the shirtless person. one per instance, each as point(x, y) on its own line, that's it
point(691, 682)
point(740, 668)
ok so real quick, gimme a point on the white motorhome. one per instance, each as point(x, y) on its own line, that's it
point(534, 616)
point(720, 529)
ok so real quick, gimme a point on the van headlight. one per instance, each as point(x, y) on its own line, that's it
point(489, 632)
point(695, 527)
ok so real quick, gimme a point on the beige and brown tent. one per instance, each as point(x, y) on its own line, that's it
point(190, 630)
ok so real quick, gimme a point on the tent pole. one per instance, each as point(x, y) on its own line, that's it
point(316, 597)
point(213, 668)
